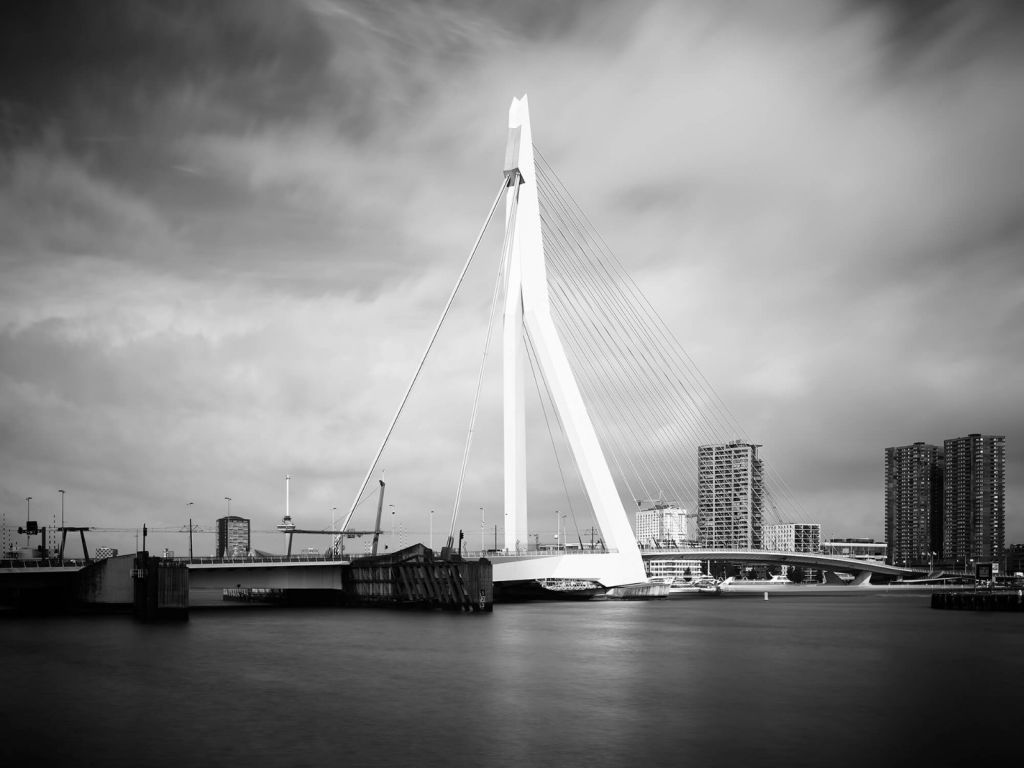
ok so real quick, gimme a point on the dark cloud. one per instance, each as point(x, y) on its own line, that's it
point(225, 229)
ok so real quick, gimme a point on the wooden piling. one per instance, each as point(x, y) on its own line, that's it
point(412, 577)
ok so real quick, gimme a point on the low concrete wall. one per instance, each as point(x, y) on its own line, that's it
point(107, 582)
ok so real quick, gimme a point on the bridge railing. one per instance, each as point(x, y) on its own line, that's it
point(46, 562)
point(532, 553)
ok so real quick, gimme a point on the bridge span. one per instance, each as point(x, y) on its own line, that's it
point(802, 559)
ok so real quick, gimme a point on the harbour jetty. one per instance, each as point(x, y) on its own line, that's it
point(980, 600)
point(158, 588)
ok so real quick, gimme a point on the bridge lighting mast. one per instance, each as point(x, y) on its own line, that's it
point(287, 526)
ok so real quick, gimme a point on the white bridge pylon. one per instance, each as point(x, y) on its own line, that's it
point(527, 309)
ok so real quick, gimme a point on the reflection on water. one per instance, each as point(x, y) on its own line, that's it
point(802, 682)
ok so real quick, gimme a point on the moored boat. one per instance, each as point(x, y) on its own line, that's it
point(702, 586)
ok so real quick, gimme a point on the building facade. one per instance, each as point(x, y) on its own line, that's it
point(861, 549)
point(232, 536)
point(660, 526)
point(730, 496)
point(674, 569)
point(974, 500)
point(913, 503)
point(792, 537)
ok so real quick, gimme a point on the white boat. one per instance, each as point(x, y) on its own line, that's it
point(696, 587)
point(777, 583)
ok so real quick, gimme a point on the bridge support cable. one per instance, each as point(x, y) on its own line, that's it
point(506, 248)
point(581, 296)
point(595, 290)
point(605, 394)
point(688, 370)
point(627, 367)
point(627, 346)
point(583, 308)
point(655, 324)
point(423, 358)
point(651, 369)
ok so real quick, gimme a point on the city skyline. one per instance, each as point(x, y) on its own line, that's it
point(227, 229)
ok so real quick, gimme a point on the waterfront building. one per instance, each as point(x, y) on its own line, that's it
point(232, 536)
point(675, 569)
point(913, 503)
point(730, 496)
point(1015, 558)
point(861, 549)
point(792, 537)
point(974, 500)
point(663, 525)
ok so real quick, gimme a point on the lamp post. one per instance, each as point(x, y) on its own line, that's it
point(334, 511)
point(189, 504)
point(431, 530)
point(28, 517)
point(61, 492)
point(565, 534)
point(482, 527)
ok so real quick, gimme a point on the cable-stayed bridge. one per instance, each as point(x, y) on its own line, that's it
point(619, 396)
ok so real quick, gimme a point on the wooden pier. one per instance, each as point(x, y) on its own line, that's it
point(980, 600)
point(413, 577)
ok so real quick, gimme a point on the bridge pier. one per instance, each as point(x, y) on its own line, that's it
point(160, 588)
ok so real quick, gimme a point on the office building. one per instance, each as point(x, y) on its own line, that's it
point(232, 536)
point(674, 569)
point(913, 503)
point(974, 500)
point(860, 549)
point(792, 537)
point(661, 526)
point(730, 491)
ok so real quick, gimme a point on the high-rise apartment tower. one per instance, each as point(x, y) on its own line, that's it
point(730, 496)
point(974, 499)
point(913, 503)
point(232, 536)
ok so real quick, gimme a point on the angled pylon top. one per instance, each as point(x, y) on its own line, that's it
point(518, 136)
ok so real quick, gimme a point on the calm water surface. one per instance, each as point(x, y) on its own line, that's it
point(841, 681)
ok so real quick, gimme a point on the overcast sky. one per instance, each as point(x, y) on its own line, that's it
point(226, 230)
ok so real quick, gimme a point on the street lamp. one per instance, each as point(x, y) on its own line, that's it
point(481, 530)
point(28, 517)
point(565, 533)
point(187, 512)
point(431, 530)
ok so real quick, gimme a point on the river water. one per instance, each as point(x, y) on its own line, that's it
point(841, 681)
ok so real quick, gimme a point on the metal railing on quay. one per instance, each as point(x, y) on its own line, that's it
point(48, 562)
point(532, 553)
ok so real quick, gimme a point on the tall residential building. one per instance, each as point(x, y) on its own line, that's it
point(232, 536)
point(913, 503)
point(793, 537)
point(730, 496)
point(974, 501)
point(662, 525)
